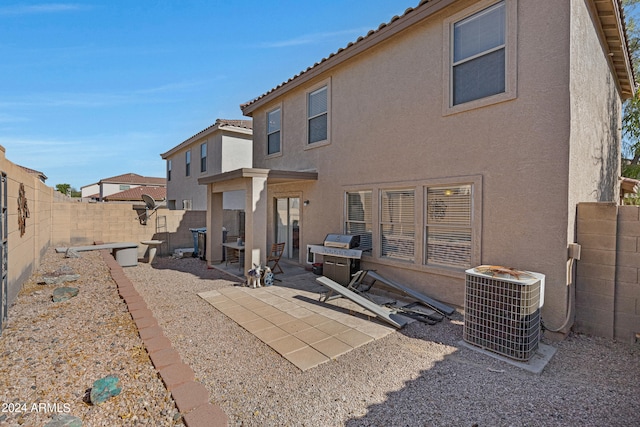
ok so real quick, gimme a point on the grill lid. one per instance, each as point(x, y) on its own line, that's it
point(344, 241)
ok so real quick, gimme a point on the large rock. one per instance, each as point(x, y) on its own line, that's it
point(104, 388)
point(64, 294)
point(64, 420)
point(62, 275)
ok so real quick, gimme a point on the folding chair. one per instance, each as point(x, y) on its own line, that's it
point(277, 249)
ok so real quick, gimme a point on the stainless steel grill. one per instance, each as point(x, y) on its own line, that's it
point(342, 241)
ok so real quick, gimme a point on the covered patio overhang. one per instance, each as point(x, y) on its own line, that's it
point(254, 183)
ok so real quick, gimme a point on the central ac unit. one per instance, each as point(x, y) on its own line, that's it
point(502, 310)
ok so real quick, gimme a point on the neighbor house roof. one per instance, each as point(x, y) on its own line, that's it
point(609, 13)
point(39, 174)
point(132, 178)
point(134, 194)
point(241, 126)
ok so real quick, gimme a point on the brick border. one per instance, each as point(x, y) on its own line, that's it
point(191, 397)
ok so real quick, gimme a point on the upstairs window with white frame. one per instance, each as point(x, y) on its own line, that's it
point(187, 163)
point(317, 115)
point(397, 224)
point(479, 63)
point(203, 157)
point(359, 218)
point(448, 226)
point(168, 169)
point(274, 123)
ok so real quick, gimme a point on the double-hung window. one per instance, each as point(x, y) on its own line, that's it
point(203, 157)
point(397, 224)
point(448, 225)
point(359, 218)
point(482, 54)
point(274, 123)
point(317, 115)
point(168, 169)
point(187, 163)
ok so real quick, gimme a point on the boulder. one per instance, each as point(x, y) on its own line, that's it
point(64, 294)
point(64, 420)
point(104, 388)
point(62, 275)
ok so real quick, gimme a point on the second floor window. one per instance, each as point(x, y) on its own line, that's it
point(169, 170)
point(274, 120)
point(203, 157)
point(479, 44)
point(187, 161)
point(317, 115)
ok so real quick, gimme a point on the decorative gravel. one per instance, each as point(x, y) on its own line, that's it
point(52, 353)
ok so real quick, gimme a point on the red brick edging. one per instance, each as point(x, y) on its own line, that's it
point(191, 397)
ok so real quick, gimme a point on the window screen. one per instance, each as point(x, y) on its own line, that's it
point(317, 115)
point(359, 217)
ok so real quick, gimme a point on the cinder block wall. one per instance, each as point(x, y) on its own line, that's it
point(607, 289)
point(76, 224)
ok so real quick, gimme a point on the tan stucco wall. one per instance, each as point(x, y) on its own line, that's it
point(225, 151)
point(388, 129)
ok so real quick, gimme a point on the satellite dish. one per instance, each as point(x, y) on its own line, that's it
point(149, 205)
point(149, 202)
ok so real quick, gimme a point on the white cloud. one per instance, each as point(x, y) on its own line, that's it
point(311, 38)
point(39, 8)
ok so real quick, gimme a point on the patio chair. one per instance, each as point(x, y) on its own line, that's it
point(277, 249)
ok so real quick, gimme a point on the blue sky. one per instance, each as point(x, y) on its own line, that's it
point(93, 89)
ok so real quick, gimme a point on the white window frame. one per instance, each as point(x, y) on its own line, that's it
point(510, 92)
point(308, 93)
point(168, 169)
point(187, 163)
point(279, 131)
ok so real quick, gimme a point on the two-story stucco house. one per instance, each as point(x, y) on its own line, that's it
point(223, 146)
point(461, 133)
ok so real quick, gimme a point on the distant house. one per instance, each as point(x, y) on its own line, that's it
point(461, 133)
point(226, 145)
point(115, 188)
point(41, 176)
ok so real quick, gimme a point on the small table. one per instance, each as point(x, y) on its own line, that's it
point(153, 246)
point(240, 248)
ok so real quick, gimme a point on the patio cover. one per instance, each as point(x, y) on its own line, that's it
point(254, 182)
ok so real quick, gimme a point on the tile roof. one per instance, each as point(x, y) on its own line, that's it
point(135, 194)
point(219, 124)
point(618, 43)
point(132, 178)
point(33, 172)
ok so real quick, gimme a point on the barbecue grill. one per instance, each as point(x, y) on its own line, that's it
point(341, 259)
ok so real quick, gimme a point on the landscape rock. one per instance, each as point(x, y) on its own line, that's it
point(64, 293)
point(64, 420)
point(104, 388)
point(62, 275)
point(71, 253)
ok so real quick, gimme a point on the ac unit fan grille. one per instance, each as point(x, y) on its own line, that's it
point(502, 316)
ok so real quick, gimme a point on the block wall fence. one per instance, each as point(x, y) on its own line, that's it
point(607, 276)
point(57, 220)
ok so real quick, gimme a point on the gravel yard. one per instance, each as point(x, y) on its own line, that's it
point(418, 376)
